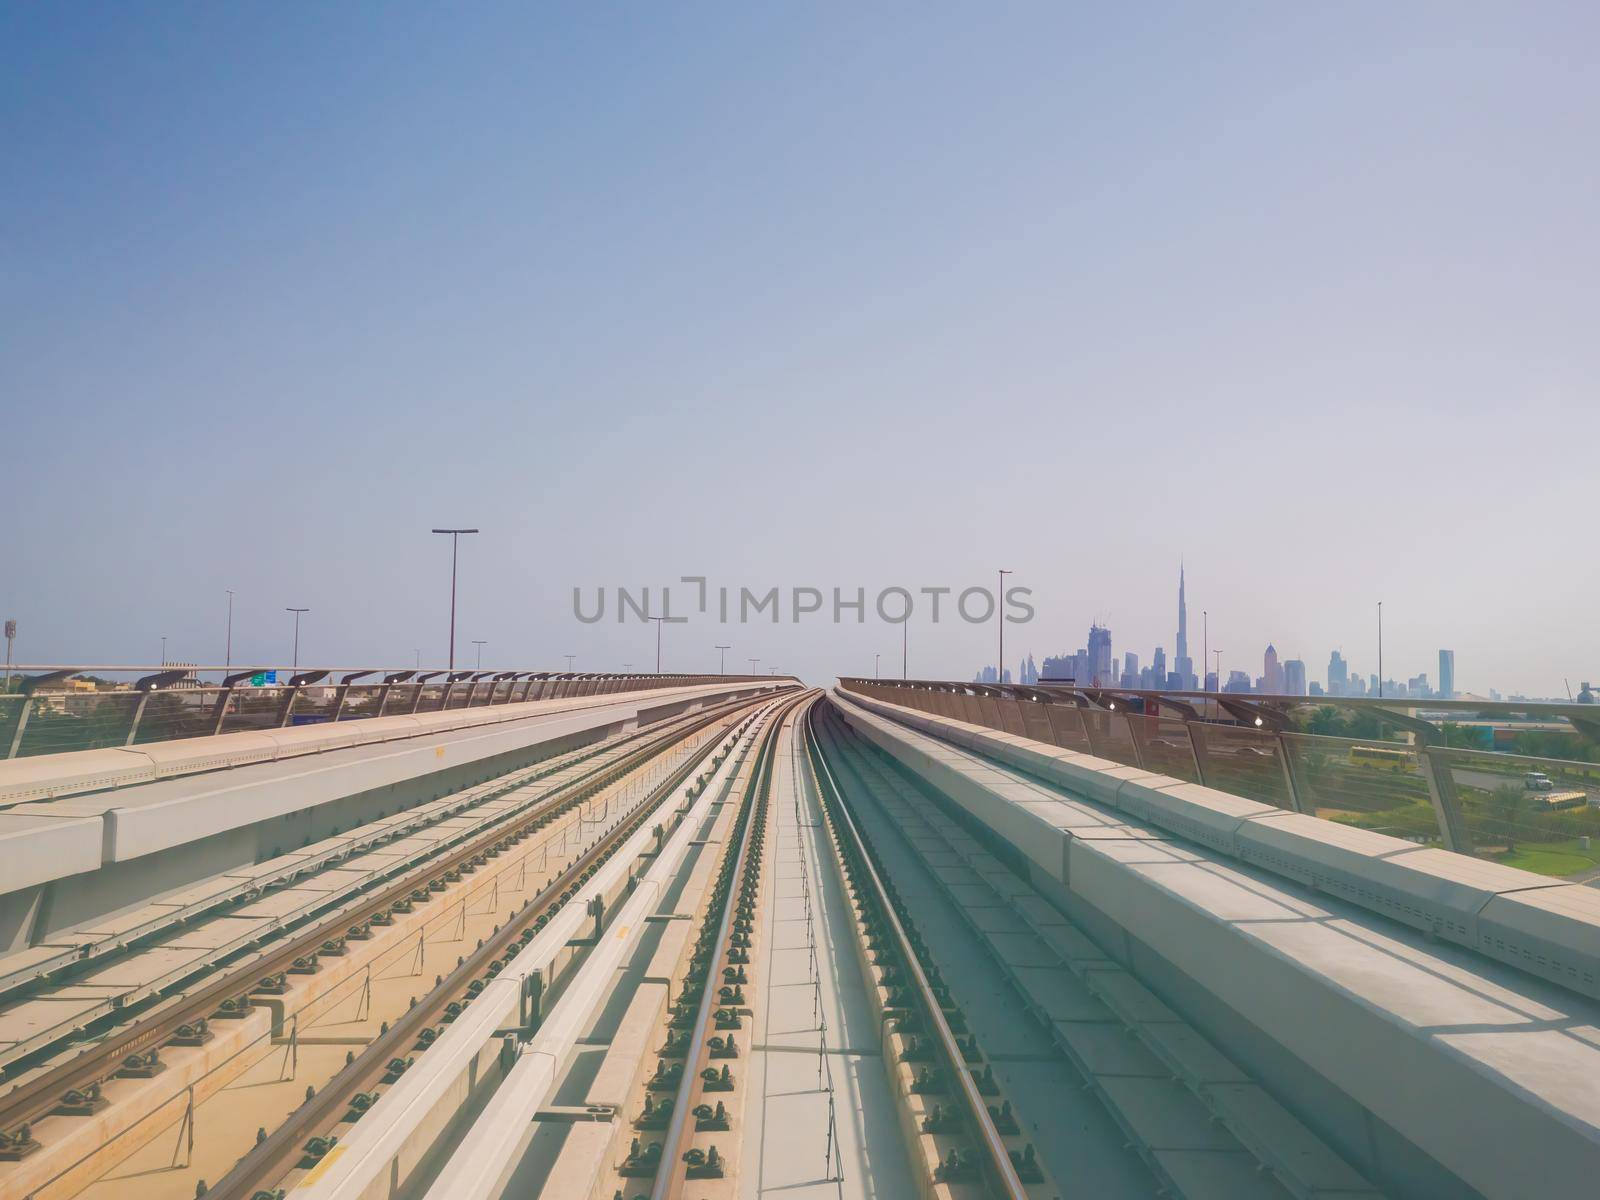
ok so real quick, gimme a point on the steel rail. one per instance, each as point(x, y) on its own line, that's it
point(270, 1160)
point(981, 1125)
point(35, 1097)
point(675, 1141)
point(73, 962)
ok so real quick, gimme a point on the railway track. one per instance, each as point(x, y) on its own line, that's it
point(1201, 1128)
point(694, 1099)
point(960, 1126)
point(55, 1083)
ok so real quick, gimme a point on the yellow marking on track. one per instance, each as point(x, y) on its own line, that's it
point(321, 1168)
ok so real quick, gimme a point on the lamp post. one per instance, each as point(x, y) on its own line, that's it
point(875, 659)
point(227, 651)
point(569, 658)
point(163, 651)
point(722, 659)
point(418, 653)
point(1000, 611)
point(1205, 644)
point(455, 544)
point(1218, 653)
point(659, 622)
point(753, 663)
point(1380, 649)
point(905, 647)
point(480, 643)
point(295, 669)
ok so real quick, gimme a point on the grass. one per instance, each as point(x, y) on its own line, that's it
point(1550, 858)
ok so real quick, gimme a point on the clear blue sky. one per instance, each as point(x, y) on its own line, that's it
point(803, 295)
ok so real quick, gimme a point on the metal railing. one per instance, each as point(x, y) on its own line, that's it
point(1392, 770)
point(49, 715)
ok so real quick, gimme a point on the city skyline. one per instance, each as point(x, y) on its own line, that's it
point(1095, 664)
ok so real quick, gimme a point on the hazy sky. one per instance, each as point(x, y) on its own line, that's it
point(803, 295)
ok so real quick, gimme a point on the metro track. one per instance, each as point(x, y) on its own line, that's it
point(983, 1041)
point(53, 1080)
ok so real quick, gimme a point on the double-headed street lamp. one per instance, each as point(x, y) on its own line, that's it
point(480, 643)
point(455, 544)
point(722, 659)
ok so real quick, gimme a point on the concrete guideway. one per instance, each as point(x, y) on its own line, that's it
point(482, 869)
point(821, 1120)
point(1435, 1070)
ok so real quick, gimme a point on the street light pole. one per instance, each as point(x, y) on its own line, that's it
point(163, 651)
point(875, 659)
point(905, 647)
point(296, 611)
point(227, 653)
point(1205, 645)
point(659, 622)
point(753, 663)
point(569, 658)
point(1380, 649)
point(480, 643)
point(1000, 611)
point(1218, 653)
point(455, 543)
point(722, 659)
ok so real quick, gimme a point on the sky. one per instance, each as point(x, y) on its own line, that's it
point(854, 296)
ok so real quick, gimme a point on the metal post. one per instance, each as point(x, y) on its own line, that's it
point(138, 715)
point(1197, 750)
point(722, 659)
point(1380, 649)
point(1291, 779)
point(1000, 611)
point(22, 723)
point(222, 710)
point(455, 545)
point(1446, 801)
point(296, 612)
point(227, 652)
point(288, 706)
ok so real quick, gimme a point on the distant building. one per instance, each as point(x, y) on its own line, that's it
point(1316, 689)
point(1447, 674)
point(1272, 681)
point(1183, 664)
point(1294, 677)
point(1238, 681)
point(1338, 675)
point(1102, 668)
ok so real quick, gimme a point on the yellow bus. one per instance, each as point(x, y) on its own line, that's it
point(1374, 758)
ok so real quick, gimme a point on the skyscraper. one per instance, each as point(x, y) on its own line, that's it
point(1294, 677)
point(1101, 670)
point(1272, 672)
point(1447, 674)
point(1182, 663)
point(1338, 675)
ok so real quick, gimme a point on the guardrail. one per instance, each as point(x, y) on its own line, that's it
point(49, 716)
point(1404, 778)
